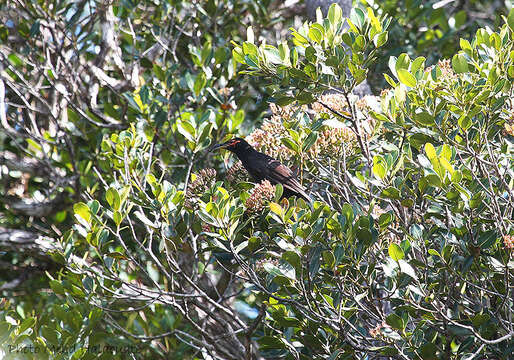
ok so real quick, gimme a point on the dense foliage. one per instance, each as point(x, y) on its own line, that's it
point(143, 244)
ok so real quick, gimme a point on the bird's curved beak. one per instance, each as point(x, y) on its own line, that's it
point(219, 146)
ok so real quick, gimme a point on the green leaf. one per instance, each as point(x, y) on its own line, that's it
point(459, 63)
point(390, 80)
point(311, 139)
point(4, 33)
point(403, 62)
point(288, 321)
point(380, 39)
point(15, 60)
point(207, 218)
point(456, 176)
point(113, 198)
point(424, 118)
point(271, 342)
point(487, 239)
point(250, 49)
point(379, 167)
point(406, 77)
point(27, 323)
point(186, 129)
point(433, 180)
point(395, 252)
point(430, 151)
point(335, 14)
point(272, 54)
point(480, 319)
point(464, 121)
point(116, 216)
point(238, 55)
point(407, 203)
point(206, 131)
point(61, 216)
point(254, 243)
point(284, 100)
point(347, 211)
point(200, 82)
point(279, 190)
point(299, 39)
point(305, 97)
point(4, 331)
point(314, 262)
point(446, 152)
point(428, 351)
point(385, 219)
point(34, 29)
point(83, 211)
point(374, 20)
point(315, 34)
point(298, 74)
point(142, 217)
point(391, 193)
point(460, 18)
point(417, 64)
point(50, 334)
point(510, 19)
point(357, 17)
point(250, 37)
point(446, 165)
point(433, 252)
point(465, 45)
point(79, 354)
point(292, 258)
point(406, 268)
point(290, 144)
point(252, 61)
point(328, 258)
point(394, 321)
point(284, 52)
point(57, 287)
point(364, 235)
point(271, 269)
point(276, 208)
point(389, 351)
point(360, 43)
point(94, 205)
point(294, 57)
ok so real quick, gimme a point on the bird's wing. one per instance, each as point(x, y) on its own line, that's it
point(279, 173)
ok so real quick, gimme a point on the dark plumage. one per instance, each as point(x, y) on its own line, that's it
point(263, 167)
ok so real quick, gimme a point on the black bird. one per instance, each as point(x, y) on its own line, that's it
point(263, 167)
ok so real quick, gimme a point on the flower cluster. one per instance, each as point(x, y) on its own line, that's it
point(261, 194)
point(259, 264)
point(237, 173)
point(336, 102)
point(508, 240)
point(204, 180)
point(286, 112)
point(377, 330)
point(330, 142)
point(446, 69)
point(445, 66)
point(267, 138)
